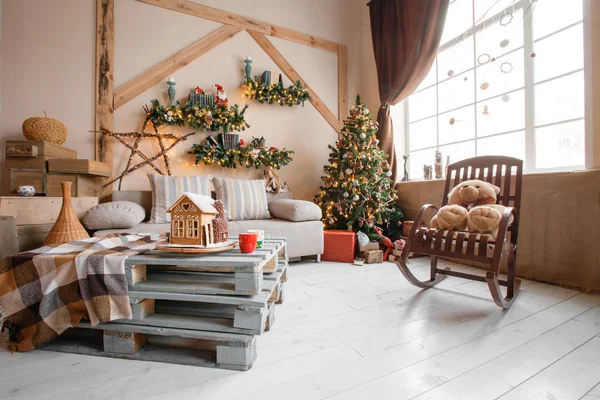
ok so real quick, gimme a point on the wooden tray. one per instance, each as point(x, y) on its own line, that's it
point(162, 246)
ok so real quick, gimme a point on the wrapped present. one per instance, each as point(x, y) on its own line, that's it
point(372, 256)
point(399, 244)
point(370, 246)
point(339, 246)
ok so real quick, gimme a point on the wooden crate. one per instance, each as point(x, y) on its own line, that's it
point(82, 185)
point(86, 167)
point(27, 154)
point(8, 237)
point(41, 210)
point(27, 177)
point(32, 236)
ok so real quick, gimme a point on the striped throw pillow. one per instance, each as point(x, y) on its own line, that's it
point(167, 189)
point(243, 199)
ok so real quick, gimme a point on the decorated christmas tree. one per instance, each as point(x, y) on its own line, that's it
point(357, 192)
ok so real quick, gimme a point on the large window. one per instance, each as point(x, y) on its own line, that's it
point(508, 80)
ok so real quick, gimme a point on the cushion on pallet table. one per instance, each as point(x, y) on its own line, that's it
point(339, 246)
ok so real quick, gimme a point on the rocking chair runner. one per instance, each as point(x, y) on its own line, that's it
point(473, 247)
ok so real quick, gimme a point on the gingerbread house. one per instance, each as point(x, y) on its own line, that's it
point(193, 220)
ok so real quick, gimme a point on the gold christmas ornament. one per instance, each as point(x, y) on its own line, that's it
point(44, 128)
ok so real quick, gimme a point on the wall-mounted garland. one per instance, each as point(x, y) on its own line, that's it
point(209, 118)
point(268, 91)
point(245, 156)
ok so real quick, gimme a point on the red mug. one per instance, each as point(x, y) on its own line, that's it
point(248, 242)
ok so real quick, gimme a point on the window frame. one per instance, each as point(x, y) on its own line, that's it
point(528, 88)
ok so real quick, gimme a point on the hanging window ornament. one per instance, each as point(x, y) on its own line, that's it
point(466, 79)
point(506, 19)
point(506, 67)
point(506, 98)
point(486, 110)
point(484, 86)
point(504, 43)
point(533, 54)
point(450, 73)
point(452, 121)
point(484, 59)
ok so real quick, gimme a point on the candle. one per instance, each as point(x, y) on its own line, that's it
point(171, 79)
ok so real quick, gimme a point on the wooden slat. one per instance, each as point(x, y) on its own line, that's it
point(507, 183)
point(449, 240)
point(104, 89)
point(162, 70)
point(438, 239)
point(293, 75)
point(471, 243)
point(460, 240)
point(303, 38)
point(342, 82)
point(228, 18)
point(483, 242)
point(212, 14)
point(429, 238)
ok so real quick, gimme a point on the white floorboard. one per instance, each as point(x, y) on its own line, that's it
point(349, 332)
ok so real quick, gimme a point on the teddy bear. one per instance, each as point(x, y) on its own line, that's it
point(471, 206)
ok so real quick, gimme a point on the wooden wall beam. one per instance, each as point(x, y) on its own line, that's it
point(213, 14)
point(160, 71)
point(303, 38)
point(104, 115)
point(342, 82)
point(293, 75)
point(224, 17)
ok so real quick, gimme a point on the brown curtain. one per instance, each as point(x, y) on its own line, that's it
point(406, 36)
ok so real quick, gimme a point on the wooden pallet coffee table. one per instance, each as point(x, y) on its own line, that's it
point(209, 305)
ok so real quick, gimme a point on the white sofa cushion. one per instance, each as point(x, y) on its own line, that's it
point(114, 215)
point(167, 189)
point(244, 199)
point(295, 210)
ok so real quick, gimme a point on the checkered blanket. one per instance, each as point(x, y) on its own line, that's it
point(48, 290)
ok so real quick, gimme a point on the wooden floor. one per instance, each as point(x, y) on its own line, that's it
point(348, 332)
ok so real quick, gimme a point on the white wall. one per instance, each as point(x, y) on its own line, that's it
point(48, 56)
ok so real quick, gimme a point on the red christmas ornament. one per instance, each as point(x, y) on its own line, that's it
point(199, 90)
point(242, 142)
point(272, 148)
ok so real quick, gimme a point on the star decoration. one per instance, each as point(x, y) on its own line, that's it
point(506, 19)
point(506, 67)
point(484, 59)
point(506, 98)
point(486, 110)
point(143, 134)
point(504, 43)
point(484, 86)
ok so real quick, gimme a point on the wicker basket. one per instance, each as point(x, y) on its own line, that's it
point(67, 226)
point(44, 128)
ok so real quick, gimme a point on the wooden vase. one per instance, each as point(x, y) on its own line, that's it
point(67, 226)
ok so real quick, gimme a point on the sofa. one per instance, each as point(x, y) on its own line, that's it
point(304, 238)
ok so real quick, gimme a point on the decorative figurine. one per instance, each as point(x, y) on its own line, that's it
point(221, 95)
point(405, 177)
point(438, 165)
point(171, 91)
point(248, 68)
point(197, 220)
point(427, 169)
point(25, 191)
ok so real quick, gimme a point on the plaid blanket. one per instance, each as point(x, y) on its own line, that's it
point(48, 290)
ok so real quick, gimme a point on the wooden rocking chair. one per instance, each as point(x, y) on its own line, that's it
point(472, 247)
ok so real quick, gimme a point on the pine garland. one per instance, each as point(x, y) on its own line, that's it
point(244, 156)
point(276, 93)
point(209, 118)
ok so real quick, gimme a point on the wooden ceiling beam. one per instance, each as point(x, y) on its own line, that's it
point(225, 17)
point(162, 70)
point(293, 75)
point(342, 82)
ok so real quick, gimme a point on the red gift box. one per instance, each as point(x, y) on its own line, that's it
point(339, 246)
